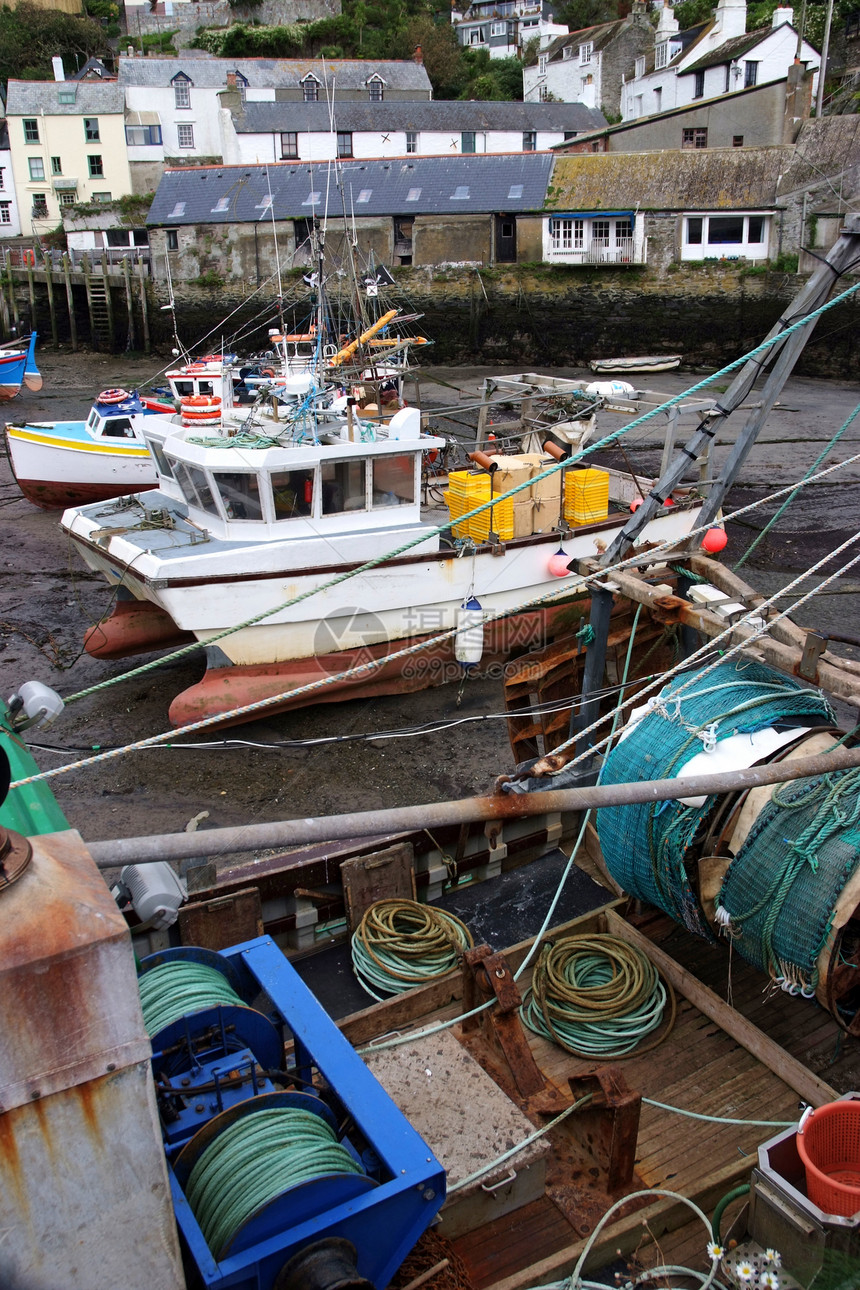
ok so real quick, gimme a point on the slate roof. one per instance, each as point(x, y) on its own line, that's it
point(599, 35)
point(260, 118)
point(509, 182)
point(274, 73)
point(93, 69)
point(698, 179)
point(92, 98)
point(731, 50)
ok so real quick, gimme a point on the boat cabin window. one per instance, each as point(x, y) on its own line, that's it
point(184, 387)
point(118, 428)
point(162, 461)
point(197, 386)
point(344, 486)
point(240, 494)
point(92, 420)
point(195, 487)
point(292, 493)
point(393, 480)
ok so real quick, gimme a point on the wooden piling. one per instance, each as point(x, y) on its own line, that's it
point(143, 307)
point(108, 296)
point(49, 284)
point(31, 288)
point(16, 321)
point(5, 323)
point(129, 302)
point(70, 300)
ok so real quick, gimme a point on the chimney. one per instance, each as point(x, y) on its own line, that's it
point(418, 56)
point(59, 70)
point(798, 101)
point(231, 81)
point(782, 14)
point(130, 51)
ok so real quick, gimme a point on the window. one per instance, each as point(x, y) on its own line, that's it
point(56, 165)
point(101, 197)
point(727, 85)
point(737, 140)
point(460, 193)
point(476, 37)
point(567, 52)
point(755, 228)
point(96, 165)
point(376, 91)
point(499, 29)
point(182, 92)
point(600, 232)
point(529, 140)
point(567, 234)
point(661, 54)
point(2, 180)
point(725, 237)
point(699, 87)
point(293, 493)
point(5, 213)
point(142, 136)
point(364, 196)
point(542, 64)
point(639, 69)
point(66, 96)
point(467, 141)
point(240, 495)
point(411, 141)
point(172, 239)
point(289, 145)
point(344, 143)
point(91, 129)
point(344, 486)
point(37, 167)
point(31, 130)
point(413, 194)
point(195, 487)
point(40, 206)
point(585, 52)
point(392, 480)
point(750, 74)
point(68, 199)
point(658, 98)
point(178, 210)
point(694, 230)
point(310, 90)
point(694, 137)
point(185, 136)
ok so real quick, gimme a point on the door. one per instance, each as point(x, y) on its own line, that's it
point(506, 239)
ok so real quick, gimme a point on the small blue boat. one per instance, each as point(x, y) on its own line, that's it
point(16, 366)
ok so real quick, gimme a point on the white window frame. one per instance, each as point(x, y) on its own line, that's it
point(639, 67)
point(606, 239)
point(498, 29)
point(185, 134)
point(477, 37)
point(5, 212)
point(708, 250)
point(542, 64)
point(661, 55)
point(411, 142)
point(182, 93)
point(585, 52)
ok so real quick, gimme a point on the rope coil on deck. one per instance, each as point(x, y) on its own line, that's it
point(172, 990)
point(597, 996)
point(255, 1160)
point(400, 944)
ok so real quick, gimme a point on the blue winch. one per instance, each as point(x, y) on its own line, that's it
point(281, 1175)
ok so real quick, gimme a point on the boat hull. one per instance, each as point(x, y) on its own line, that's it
point(54, 470)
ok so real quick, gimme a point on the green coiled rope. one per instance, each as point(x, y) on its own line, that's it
point(256, 1159)
point(172, 990)
point(401, 943)
point(597, 996)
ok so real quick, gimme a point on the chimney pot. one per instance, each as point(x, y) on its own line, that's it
point(419, 56)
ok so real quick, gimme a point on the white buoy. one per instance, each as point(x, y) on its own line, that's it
point(469, 637)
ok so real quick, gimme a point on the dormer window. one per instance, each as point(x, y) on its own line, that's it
point(182, 90)
point(567, 52)
point(310, 89)
point(585, 52)
point(542, 64)
point(661, 54)
point(375, 90)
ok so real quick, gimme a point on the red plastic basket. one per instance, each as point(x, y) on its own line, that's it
point(828, 1143)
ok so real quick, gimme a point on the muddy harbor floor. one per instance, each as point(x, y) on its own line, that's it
point(48, 598)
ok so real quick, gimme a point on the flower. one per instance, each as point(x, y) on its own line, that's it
point(745, 1271)
point(715, 1250)
point(770, 1280)
point(773, 1256)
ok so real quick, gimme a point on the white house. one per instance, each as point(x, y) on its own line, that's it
point(589, 66)
point(717, 57)
point(10, 221)
point(505, 28)
point(260, 132)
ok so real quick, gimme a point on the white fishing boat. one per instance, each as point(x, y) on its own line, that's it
point(64, 463)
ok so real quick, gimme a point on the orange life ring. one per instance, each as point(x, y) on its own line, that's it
point(195, 369)
point(113, 396)
point(267, 371)
point(201, 401)
point(210, 358)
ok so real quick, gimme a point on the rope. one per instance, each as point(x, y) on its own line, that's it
point(172, 990)
point(255, 1160)
point(812, 469)
point(400, 944)
point(597, 996)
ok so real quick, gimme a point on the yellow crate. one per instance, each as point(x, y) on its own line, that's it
point(456, 508)
point(465, 492)
point(586, 495)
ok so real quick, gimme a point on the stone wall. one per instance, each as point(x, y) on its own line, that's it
point(186, 17)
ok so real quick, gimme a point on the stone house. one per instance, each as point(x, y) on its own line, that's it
point(589, 66)
point(256, 132)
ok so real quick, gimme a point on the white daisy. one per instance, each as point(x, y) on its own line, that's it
point(745, 1271)
point(715, 1250)
point(770, 1280)
point(773, 1256)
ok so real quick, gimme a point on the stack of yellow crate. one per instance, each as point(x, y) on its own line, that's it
point(586, 495)
point(465, 492)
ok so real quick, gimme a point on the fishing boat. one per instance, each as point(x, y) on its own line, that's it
point(17, 367)
point(63, 463)
point(642, 363)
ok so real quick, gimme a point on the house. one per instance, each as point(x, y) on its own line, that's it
point(717, 57)
point(10, 222)
point(418, 210)
point(665, 207)
point(589, 66)
point(505, 29)
point(255, 132)
point(173, 106)
point(758, 117)
point(67, 142)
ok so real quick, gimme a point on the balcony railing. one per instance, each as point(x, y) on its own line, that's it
point(624, 251)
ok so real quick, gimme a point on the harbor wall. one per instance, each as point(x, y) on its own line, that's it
point(525, 316)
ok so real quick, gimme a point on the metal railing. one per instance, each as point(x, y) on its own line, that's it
point(622, 251)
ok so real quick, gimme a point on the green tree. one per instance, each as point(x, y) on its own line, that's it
point(29, 37)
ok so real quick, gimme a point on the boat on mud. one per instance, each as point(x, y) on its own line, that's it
point(17, 368)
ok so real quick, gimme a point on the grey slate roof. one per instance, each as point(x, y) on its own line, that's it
point(599, 36)
point(274, 73)
point(509, 182)
point(730, 50)
point(92, 98)
point(265, 118)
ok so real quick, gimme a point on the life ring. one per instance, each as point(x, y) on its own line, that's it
point(209, 358)
point(113, 396)
point(195, 369)
point(201, 401)
point(267, 371)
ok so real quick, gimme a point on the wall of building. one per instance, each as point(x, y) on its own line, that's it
point(249, 148)
point(185, 18)
point(756, 117)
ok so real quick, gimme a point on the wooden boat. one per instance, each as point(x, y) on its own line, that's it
point(642, 363)
point(17, 367)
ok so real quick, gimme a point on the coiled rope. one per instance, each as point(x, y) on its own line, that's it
point(256, 1159)
point(400, 944)
point(597, 996)
point(172, 990)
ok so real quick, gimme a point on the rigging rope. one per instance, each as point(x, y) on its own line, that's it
point(401, 943)
point(172, 990)
point(597, 996)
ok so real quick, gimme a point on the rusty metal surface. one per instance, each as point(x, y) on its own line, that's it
point(69, 1005)
point(608, 1127)
point(15, 854)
